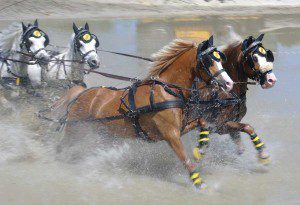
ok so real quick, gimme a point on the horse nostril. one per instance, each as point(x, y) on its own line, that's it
point(229, 84)
point(270, 80)
point(94, 62)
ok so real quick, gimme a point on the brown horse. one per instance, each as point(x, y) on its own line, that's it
point(152, 108)
point(247, 59)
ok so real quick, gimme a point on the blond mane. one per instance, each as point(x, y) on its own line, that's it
point(167, 55)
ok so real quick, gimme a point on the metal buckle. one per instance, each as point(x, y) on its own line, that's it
point(132, 114)
point(18, 81)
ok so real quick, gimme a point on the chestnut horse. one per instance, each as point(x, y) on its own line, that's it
point(247, 59)
point(153, 107)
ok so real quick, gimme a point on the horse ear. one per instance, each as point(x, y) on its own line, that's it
point(211, 40)
point(86, 26)
point(24, 27)
point(205, 45)
point(75, 28)
point(245, 44)
point(36, 23)
point(260, 37)
point(250, 40)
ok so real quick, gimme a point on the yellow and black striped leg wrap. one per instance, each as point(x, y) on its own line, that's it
point(259, 145)
point(203, 138)
point(202, 141)
point(196, 179)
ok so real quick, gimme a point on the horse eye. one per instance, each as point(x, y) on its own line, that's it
point(255, 58)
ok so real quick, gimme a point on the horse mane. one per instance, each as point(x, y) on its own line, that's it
point(167, 55)
point(8, 37)
point(69, 51)
point(232, 52)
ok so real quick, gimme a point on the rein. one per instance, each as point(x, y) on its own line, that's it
point(114, 52)
point(108, 75)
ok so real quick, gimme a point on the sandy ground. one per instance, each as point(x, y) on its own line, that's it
point(30, 9)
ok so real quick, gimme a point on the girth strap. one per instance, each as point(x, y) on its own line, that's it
point(134, 113)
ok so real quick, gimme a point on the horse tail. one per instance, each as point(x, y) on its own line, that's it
point(60, 107)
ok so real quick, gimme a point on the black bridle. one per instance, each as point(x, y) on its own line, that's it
point(29, 33)
point(205, 59)
point(248, 58)
point(79, 36)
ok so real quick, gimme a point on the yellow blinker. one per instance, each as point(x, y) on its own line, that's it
point(37, 33)
point(216, 54)
point(86, 37)
point(262, 50)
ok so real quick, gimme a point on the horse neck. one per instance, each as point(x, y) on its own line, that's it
point(181, 72)
point(17, 68)
point(234, 68)
point(76, 71)
point(73, 69)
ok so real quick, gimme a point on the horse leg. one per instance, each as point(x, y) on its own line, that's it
point(263, 155)
point(6, 105)
point(35, 76)
point(59, 107)
point(203, 140)
point(77, 142)
point(178, 148)
point(236, 138)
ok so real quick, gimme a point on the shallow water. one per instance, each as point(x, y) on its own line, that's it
point(129, 172)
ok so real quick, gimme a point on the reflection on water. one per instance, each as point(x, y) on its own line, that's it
point(128, 172)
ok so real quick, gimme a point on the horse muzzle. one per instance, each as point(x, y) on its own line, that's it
point(270, 80)
point(43, 57)
point(94, 64)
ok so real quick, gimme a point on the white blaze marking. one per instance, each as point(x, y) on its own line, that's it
point(87, 47)
point(224, 75)
point(37, 44)
point(264, 65)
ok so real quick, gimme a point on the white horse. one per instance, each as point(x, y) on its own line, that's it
point(20, 45)
point(69, 64)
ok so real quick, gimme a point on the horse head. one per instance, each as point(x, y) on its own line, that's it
point(258, 61)
point(86, 45)
point(34, 41)
point(209, 65)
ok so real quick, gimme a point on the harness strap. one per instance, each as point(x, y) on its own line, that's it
point(133, 113)
point(152, 95)
point(87, 53)
point(218, 73)
point(141, 110)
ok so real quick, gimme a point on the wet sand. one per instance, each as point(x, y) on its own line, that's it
point(128, 172)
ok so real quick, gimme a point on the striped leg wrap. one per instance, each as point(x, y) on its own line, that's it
point(259, 145)
point(203, 137)
point(196, 179)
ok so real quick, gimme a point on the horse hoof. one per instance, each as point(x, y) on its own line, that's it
point(264, 158)
point(240, 150)
point(198, 156)
point(37, 94)
point(201, 186)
